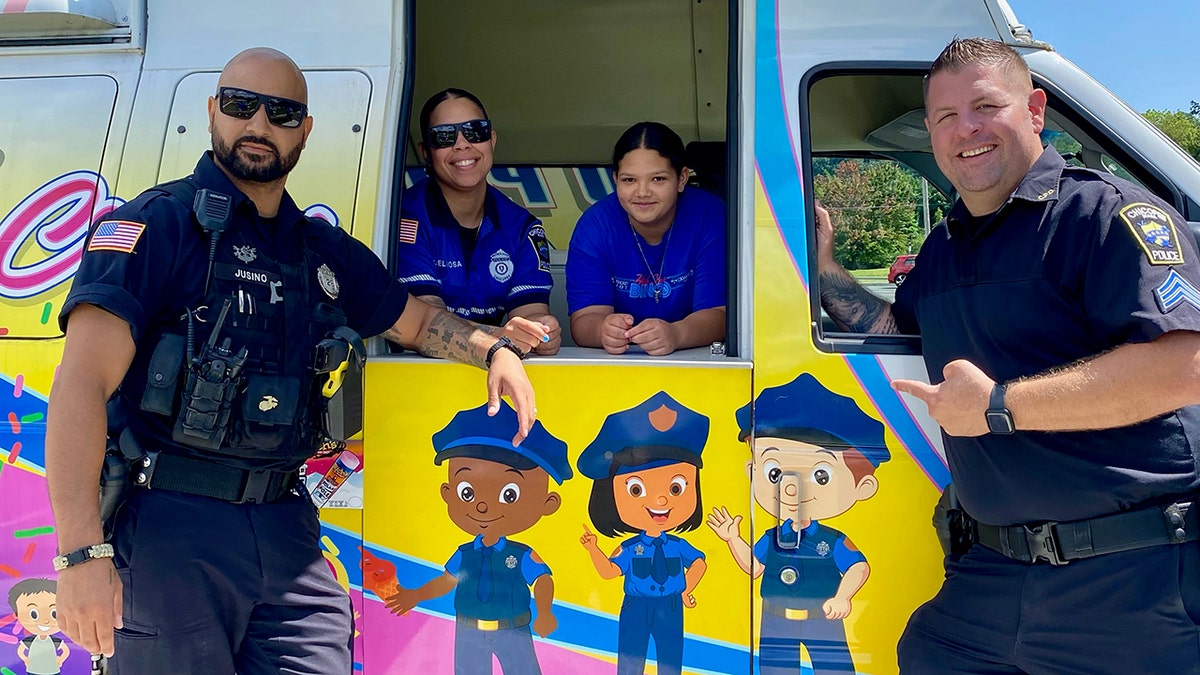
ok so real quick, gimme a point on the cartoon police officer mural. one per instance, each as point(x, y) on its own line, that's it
point(493, 491)
point(814, 457)
point(646, 466)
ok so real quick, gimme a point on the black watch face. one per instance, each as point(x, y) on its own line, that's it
point(1000, 422)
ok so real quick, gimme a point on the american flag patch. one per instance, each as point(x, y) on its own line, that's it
point(116, 235)
point(408, 231)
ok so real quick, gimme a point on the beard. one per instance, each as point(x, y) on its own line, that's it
point(268, 171)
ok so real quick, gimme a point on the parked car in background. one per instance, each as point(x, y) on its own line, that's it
point(900, 268)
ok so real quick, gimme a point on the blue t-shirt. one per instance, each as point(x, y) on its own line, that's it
point(509, 267)
point(605, 266)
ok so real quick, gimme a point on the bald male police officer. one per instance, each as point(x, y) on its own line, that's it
point(204, 301)
point(495, 489)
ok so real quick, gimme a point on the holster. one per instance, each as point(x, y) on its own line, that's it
point(956, 529)
point(114, 485)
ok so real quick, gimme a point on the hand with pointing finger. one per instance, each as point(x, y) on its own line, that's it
point(959, 402)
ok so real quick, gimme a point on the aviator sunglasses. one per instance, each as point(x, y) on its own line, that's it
point(445, 135)
point(242, 104)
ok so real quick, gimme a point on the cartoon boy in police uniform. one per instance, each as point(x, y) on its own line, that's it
point(646, 466)
point(814, 457)
point(33, 603)
point(494, 490)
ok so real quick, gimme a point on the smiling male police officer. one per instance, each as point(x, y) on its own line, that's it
point(209, 323)
point(1060, 319)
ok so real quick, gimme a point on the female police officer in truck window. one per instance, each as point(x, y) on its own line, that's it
point(463, 244)
point(646, 265)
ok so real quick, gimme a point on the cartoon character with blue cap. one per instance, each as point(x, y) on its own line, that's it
point(495, 490)
point(814, 457)
point(646, 466)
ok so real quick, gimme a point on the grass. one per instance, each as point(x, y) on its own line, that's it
point(870, 275)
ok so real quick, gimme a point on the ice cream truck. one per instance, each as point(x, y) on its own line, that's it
point(102, 99)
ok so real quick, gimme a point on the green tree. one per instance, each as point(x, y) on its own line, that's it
point(874, 208)
point(1182, 127)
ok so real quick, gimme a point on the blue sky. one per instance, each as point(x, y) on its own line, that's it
point(1146, 51)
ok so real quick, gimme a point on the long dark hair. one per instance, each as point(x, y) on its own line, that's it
point(602, 508)
point(654, 136)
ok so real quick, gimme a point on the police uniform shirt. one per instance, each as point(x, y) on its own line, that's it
point(1075, 264)
point(793, 563)
point(636, 562)
point(517, 558)
point(509, 266)
point(152, 283)
point(605, 266)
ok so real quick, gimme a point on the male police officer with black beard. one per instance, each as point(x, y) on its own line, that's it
point(207, 312)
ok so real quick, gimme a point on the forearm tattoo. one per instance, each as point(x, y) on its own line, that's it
point(454, 338)
point(854, 308)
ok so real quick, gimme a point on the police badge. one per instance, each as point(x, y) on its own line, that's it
point(511, 562)
point(501, 266)
point(639, 549)
point(823, 548)
point(328, 281)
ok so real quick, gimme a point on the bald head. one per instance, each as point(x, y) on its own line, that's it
point(266, 71)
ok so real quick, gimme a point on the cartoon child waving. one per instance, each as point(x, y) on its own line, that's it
point(814, 457)
point(646, 466)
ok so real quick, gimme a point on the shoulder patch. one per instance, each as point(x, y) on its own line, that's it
point(537, 238)
point(116, 235)
point(849, 544)
point(1174, 291)
point(408, 231)
point(1154, 231)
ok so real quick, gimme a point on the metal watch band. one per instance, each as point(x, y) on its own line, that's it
point(502, 343)
point(84, 554)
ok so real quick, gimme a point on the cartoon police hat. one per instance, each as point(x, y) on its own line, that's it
point(472, 433)
point(804, 410)
point(660, 430)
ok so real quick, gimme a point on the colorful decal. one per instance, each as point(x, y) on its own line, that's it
point(646, 466)
point(33, 603)
point(494, 490)
point(814, 457)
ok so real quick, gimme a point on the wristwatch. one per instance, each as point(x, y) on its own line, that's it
point(84, 554)
point(999, 419)
point(502, 343)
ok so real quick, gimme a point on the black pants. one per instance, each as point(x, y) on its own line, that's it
point(218, 588)
point(1121, 614)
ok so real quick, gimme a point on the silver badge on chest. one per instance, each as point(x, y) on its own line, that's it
point(823, 548)
point(639, 549)
point(501, 266)
point(511, 562)
point(328, 281)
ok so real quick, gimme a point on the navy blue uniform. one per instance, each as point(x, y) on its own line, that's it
point(214, 586)
point(1075, 263)
point(508, 265)
point(800, 572)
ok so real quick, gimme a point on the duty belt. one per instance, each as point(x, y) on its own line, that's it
point(1060, 543)
point(189, 475)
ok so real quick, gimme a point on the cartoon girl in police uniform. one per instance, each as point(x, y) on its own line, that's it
point(646, 466)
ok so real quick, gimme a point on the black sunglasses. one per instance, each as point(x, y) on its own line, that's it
point(446, 135)
point(242, 104)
